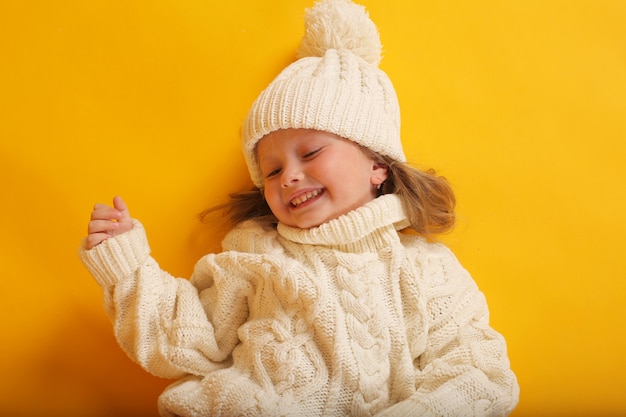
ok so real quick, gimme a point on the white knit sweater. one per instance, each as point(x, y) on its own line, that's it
point(349, 318)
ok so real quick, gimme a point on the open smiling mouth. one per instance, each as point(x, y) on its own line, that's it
point(304, 198)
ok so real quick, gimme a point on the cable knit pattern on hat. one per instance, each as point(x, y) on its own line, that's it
point(350, 318)
point(334, 86)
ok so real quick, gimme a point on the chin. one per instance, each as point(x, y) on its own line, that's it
point(307, 225)
point(303, 223)
point(311, 223)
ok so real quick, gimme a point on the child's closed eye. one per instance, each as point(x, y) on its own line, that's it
point(311, 153)
point(273, 173)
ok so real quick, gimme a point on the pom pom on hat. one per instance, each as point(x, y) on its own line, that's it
point(334, 86)
point(340, 24)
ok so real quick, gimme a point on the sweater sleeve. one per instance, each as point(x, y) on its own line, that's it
point(159, 320)
point(464, 369)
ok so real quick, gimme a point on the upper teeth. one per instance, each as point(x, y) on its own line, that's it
point(299, 200)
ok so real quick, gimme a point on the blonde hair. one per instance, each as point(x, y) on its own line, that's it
point(428, 199)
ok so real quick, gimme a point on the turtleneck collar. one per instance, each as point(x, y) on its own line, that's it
point(382, 212)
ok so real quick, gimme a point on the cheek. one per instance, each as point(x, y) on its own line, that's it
point(359, 171)
point(272, 197)
point(267, 192)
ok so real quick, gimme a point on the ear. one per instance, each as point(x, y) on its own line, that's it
point(379, 173)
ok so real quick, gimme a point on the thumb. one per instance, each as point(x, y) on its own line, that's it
point(120, 205)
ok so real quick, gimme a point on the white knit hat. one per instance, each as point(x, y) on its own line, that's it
point(334, 86)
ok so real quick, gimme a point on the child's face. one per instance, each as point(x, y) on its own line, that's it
point(311, 177)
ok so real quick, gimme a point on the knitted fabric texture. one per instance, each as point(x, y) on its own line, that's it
point(334, 86)
point(349, 318)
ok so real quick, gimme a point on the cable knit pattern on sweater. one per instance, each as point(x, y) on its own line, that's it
point(348, 318)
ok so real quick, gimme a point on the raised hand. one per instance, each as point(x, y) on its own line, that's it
point(107, 221)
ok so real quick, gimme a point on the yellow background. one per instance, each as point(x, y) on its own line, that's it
point(521, 104)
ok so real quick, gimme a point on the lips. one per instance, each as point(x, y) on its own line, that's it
point(304, 197)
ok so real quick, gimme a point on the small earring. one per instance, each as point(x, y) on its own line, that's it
point(380, 189)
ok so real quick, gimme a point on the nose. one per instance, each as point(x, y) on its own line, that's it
point(291, 174)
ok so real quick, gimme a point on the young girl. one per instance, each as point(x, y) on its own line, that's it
point(317, 306)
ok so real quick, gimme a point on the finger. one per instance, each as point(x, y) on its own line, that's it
point(120, 206)
point(95, 239)
point(102, 226)
point(104, 212)
point(118, 203)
